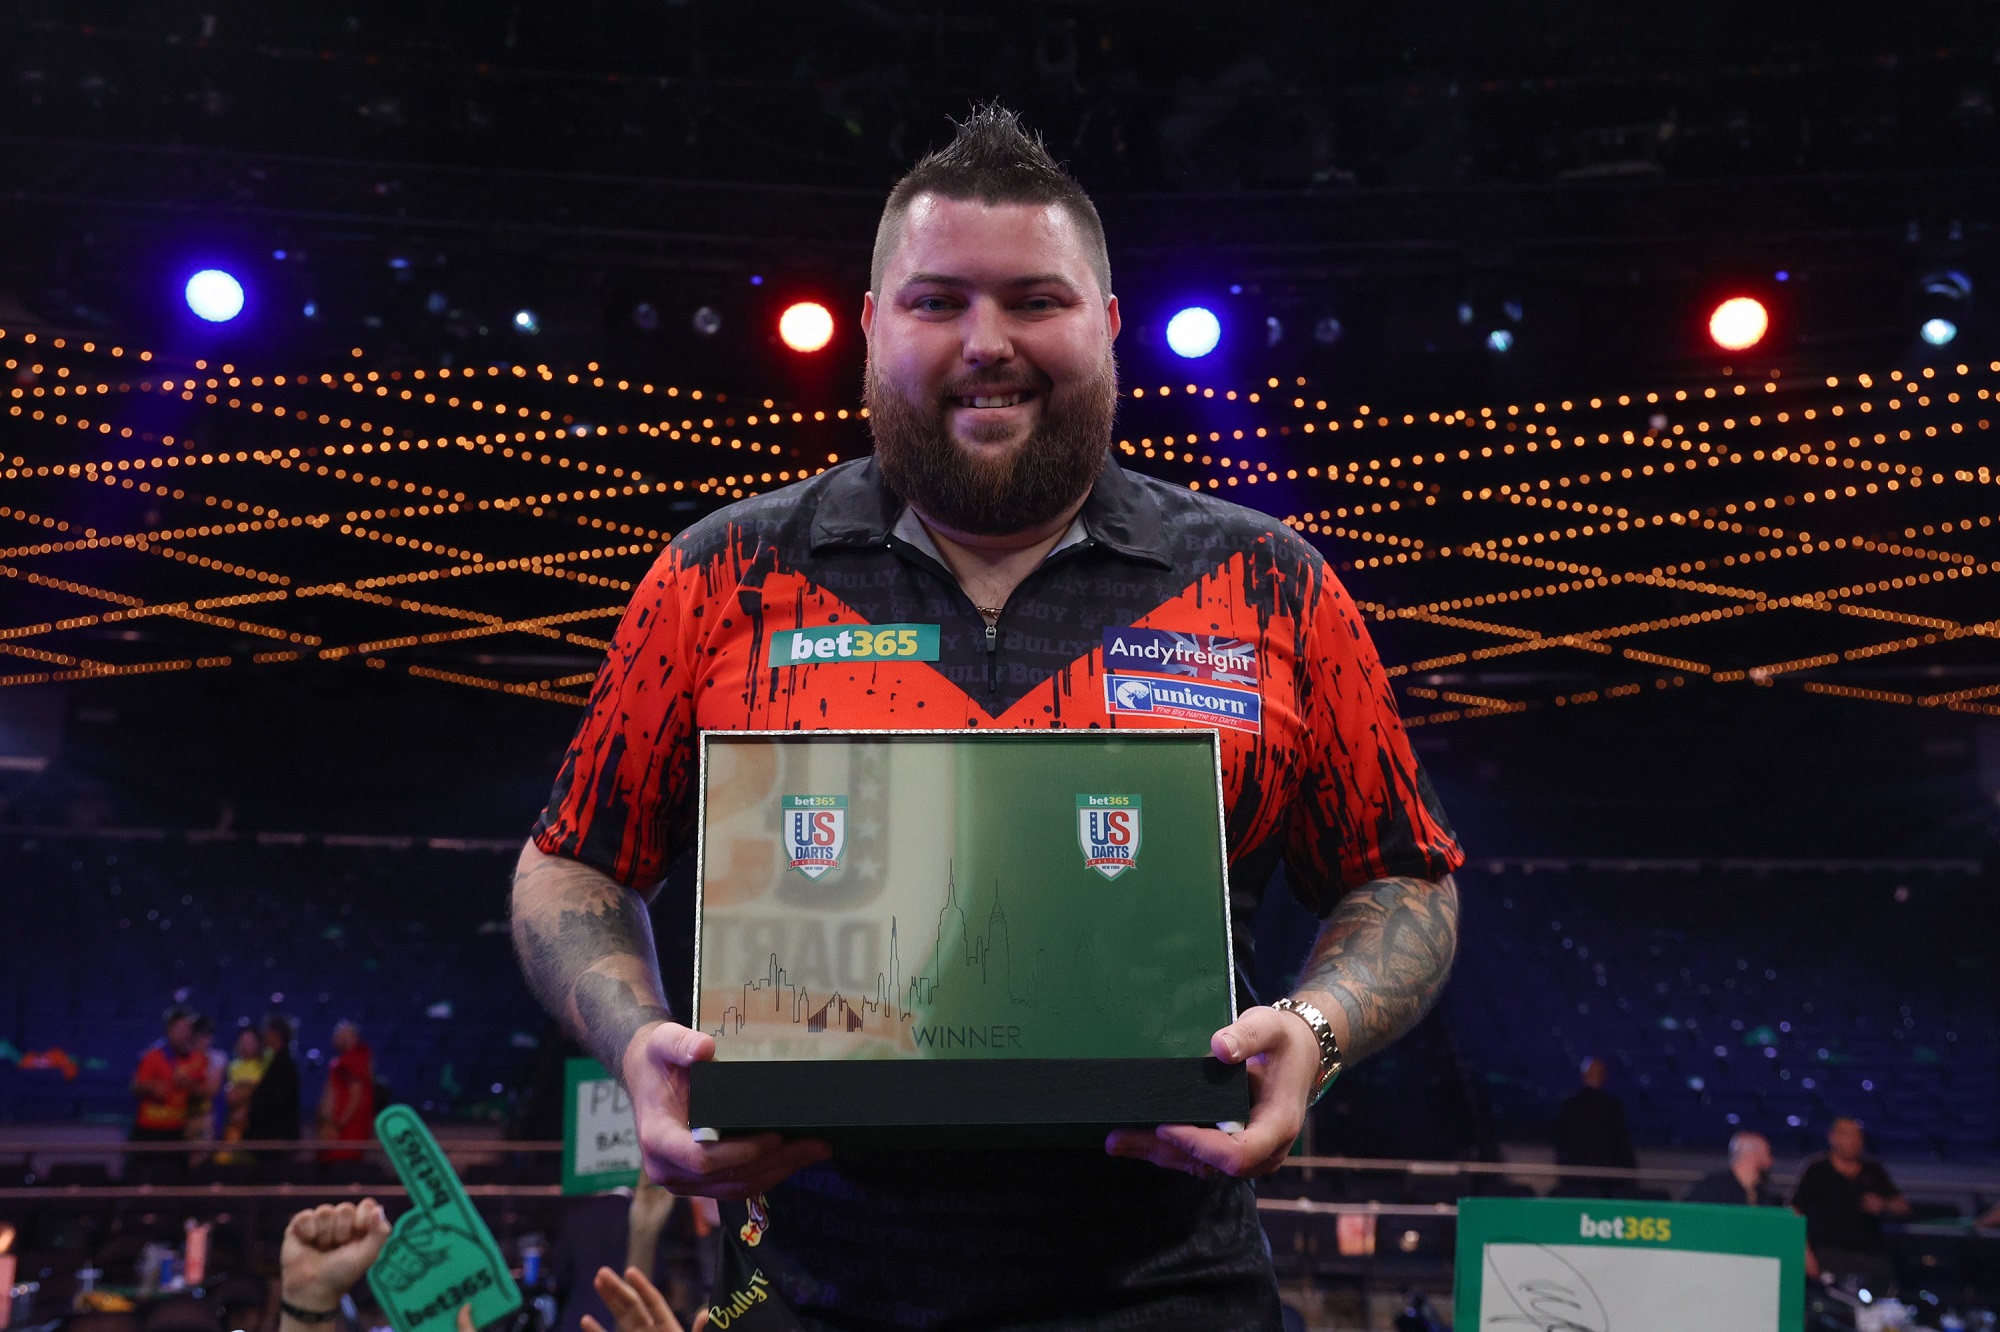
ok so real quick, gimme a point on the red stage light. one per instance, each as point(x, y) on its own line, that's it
point(806, 326)
point(1739, 323)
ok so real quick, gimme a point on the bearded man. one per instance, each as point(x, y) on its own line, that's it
point(992, 509)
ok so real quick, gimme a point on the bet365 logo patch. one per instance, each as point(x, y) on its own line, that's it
point(815, 832)
point(1107, 828)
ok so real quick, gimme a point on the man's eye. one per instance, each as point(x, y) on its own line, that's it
point(933, 304)
point(1041, 303)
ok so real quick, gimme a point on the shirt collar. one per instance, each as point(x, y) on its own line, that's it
point(911, 529)
point(857, 508)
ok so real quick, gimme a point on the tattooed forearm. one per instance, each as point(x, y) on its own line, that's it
point(586, 948)
point(1383, 957)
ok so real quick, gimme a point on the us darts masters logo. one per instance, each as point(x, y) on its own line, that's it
point(815, 832)
point(1107, 828)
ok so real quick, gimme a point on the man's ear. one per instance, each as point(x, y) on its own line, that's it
point(1112, 320)
point(867, 314)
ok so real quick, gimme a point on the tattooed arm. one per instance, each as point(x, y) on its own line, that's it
point(1381, 959)
point(1376, 968)
point(586, 947)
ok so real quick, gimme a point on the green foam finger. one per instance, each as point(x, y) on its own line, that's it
point(439, 1254)
point(422, 1166)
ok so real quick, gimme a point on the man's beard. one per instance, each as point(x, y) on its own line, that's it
point(1046, 473)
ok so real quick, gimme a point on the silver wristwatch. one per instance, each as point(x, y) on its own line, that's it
point(1329, 1048)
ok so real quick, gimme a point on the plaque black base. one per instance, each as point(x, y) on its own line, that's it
point(913, 1102)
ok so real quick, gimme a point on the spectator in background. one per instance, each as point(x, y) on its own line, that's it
point(1843, 1196)
point(168, 1073)
point(1591, 1131)
point(347, 1106)
point(208, 1061)
point(239, 1084)
point(273, 1115)
point(1746, 1181)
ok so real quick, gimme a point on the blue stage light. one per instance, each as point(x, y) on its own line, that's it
point(1500, 340)
point(215, 296)
point(527, 322)
point(1937, 332)
point(1193, 332)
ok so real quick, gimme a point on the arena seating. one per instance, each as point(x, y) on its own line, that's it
point(1723, 997)
point(411, 942)
point(1737, 997)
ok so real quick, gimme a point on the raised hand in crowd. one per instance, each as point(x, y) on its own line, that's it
point(635, 1302)
point(326, 1250)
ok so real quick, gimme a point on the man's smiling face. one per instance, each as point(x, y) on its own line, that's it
point(990, 373)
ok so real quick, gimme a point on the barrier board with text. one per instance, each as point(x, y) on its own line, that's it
point(600, 1134)
point(1594, 1265)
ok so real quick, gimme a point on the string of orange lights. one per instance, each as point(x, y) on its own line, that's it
point(1404, 488)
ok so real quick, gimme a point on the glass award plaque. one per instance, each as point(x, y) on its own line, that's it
point(962, 930)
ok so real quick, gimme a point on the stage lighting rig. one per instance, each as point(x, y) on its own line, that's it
point(1194, 332)
point(214, 296)
point(1944, 299)
point(1739, 323)
point(1938, 331)
point(805, 326)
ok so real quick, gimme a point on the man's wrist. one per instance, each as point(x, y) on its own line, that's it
point(637, 1045)
point(308, 1297)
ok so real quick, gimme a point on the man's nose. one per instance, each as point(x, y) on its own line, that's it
point(983, 334)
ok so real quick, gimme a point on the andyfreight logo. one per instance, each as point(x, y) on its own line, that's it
point(854, 643)
point(1194, 656)
point(1183, 700)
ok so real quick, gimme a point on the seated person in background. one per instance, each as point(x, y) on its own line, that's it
point(1748, 1178)
point(1843, 1196)
point(1591, 1131)
point(328, 1248)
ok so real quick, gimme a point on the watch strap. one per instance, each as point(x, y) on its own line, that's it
point(1330, 1059)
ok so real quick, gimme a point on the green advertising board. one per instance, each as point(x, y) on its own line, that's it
point(1591, 1265)
point(928, 928)
point(600, 1132)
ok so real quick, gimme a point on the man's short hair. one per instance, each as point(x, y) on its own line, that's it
point(278, 1022)
point(993, 160)
point(1739, 1143)
point(178, 1013)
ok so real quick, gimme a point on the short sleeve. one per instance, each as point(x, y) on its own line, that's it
point(622, 796)
point(1365, 809)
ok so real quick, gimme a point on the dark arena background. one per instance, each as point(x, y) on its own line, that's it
point(359, 358)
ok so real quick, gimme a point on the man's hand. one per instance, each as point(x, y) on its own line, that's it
point(636, 1304)
point(326, 1250)
point(1283, 1058)
point(1874, 1204)
point(655, 1069)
